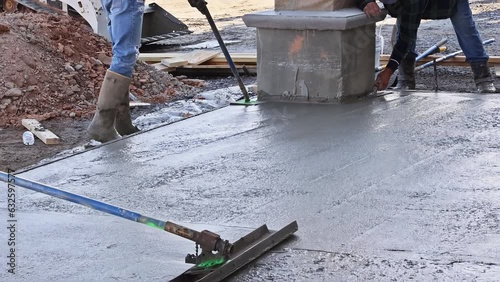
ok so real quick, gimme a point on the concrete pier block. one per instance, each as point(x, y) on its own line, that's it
point(313, 5)
point(311, 56)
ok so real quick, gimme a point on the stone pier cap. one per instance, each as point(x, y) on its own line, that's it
point(344, 19)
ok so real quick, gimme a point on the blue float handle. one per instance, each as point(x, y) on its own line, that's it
point(100, 206)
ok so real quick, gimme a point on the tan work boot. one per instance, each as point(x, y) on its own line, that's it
point(406, 74)
point(482, 77)
point(102, 127)
point(123, 121)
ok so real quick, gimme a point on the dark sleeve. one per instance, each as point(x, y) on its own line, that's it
point(362, 3)
point(411, 15)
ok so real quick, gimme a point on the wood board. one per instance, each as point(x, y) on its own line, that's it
point(456, 61)
point(47, 136)
point(244, 58)
point(199, 56)
point(157, 57)
point(174, 62)
point(251, 58)
point(136, 104)
point(162, 67)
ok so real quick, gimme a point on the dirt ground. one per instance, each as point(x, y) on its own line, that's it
point(54, 72)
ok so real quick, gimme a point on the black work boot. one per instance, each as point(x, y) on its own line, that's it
point(102, 127)
point(123, 121)
point(406, 74)
point(482, 77)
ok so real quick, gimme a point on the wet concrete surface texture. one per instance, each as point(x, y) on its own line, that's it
point(390, 188)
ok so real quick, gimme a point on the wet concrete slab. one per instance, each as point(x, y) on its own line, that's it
point(404, 187)
point(56, 246)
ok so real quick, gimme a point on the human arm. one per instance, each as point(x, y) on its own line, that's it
point(410, 17)
point(369, 7)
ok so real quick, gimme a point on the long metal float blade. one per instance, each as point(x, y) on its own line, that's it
point(246, 250)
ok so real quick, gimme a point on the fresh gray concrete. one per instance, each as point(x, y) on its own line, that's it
point(310, 56)
point(388, 188)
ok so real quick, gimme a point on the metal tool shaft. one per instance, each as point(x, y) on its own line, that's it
point(205, 238)
point(201, 5)
point(449, 56)
point(431, 49)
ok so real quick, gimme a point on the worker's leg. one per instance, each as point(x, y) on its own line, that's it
point(125, 25)
point(102, 127)
point(406, 74)
point(470, 42)
point(113, 113)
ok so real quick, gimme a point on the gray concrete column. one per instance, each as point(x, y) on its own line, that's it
point(313, 5)
point(314, 56)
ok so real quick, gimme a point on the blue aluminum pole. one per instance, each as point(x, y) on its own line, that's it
point(207, 240)
point(100, 206)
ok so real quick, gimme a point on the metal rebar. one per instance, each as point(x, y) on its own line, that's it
point(435, 77)
point(449, 56)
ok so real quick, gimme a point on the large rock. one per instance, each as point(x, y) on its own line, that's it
point(14, 92)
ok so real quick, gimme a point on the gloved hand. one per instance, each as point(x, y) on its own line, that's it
point(383, 78)
point(372, 9)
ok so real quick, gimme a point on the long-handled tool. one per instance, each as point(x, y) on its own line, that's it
point(218, 258)
point(201, 5)
point(393, 81)
point(449, 56)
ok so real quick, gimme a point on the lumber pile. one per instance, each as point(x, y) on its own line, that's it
point(214, 62)
point(456, 61)
point(201, 62)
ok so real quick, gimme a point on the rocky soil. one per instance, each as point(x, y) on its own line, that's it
point(54, 67)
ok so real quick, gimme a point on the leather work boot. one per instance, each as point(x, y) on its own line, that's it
point(406, 74)
point(123, 121)
point(102, 127)
point(482, 77)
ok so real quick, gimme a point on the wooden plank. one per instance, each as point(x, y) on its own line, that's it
point(134, 104)
point(456, 61)
point(162, 67)
point(214, 70)
point(174, 62)
point(156, 57)
point(210, 67)
point(238, 58)
point(200, 56)
point(251, 58)
point(244, 58)
point(194, 58)
point(39, 131)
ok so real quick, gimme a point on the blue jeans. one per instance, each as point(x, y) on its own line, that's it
point(125, 28)
point(467, 34)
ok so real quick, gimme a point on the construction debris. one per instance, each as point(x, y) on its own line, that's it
point(52, 66)
point(35, 127)
point(249, 60)
point(174, 62)
point(201, 62)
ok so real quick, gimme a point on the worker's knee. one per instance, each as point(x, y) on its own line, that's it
point(124, 62)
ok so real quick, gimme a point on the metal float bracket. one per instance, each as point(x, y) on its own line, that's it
point(245, 250)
